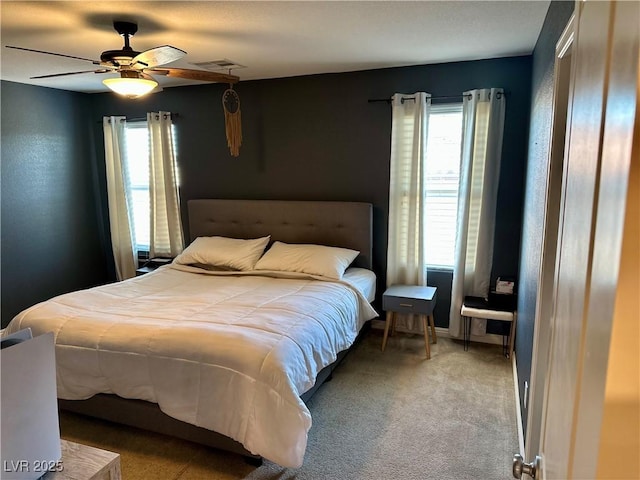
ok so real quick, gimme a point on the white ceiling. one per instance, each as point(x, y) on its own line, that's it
point(272, 39)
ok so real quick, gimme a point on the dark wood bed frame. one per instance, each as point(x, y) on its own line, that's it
point(339, 224)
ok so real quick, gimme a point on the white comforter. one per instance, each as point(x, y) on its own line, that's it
point(230, 353)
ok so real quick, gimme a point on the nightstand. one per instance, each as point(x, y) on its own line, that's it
point(152, 264)
point(145, 269)
point(411, 299)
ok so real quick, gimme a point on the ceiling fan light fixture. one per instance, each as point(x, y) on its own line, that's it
point(131, 86)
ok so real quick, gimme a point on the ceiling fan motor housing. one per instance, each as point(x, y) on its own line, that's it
point(130, 74)
point(120, 57)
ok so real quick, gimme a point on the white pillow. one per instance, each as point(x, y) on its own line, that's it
point(312, 259)
point(223, 252)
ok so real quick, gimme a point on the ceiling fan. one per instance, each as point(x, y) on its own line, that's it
point(136, 68)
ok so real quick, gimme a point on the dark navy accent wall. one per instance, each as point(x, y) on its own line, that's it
point(318, 138)
point(305, 138)
point(537, 165)
point(51, 240)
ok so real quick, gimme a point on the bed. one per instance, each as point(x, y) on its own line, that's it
point(224, 357)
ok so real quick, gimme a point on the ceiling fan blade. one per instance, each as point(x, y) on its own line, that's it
point(95, 62)
point(157, 56)
point(201, 75)
point(72, 73)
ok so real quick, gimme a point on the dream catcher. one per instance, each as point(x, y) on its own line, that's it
point(232, 120)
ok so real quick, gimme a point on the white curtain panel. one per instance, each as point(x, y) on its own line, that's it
point(167, 239)
point(120, 219)
point(406, 247)
point(483, 118)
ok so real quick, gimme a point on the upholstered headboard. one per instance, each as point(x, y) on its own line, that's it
point(337, 224)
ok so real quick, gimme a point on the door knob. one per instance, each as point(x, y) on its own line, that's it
point(520, 467)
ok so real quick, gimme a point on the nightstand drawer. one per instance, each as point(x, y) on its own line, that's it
point(409, 299)
point(406, 305)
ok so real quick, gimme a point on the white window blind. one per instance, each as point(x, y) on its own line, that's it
point(137, 159)
point(442, 164)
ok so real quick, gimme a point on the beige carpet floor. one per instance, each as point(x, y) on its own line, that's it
point(391, 415)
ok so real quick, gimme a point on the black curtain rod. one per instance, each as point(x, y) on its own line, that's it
point(141, 119)
point(388, 100)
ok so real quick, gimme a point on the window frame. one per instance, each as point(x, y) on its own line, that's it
point(142, 250)
point(440, 109)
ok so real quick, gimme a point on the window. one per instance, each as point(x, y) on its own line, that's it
point(444, 141)
point(137, 165)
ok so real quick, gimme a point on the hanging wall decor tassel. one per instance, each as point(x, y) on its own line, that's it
point(232, 120)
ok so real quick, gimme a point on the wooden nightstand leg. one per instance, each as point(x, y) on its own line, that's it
point(433, 329)
point(394, 317)
point(386, 329)
point(426, 336)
